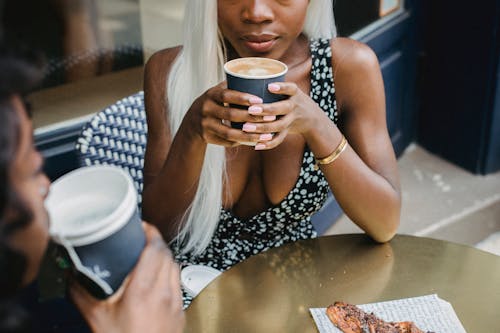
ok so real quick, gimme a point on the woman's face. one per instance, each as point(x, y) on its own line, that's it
point(31, 184)
point(261, 28)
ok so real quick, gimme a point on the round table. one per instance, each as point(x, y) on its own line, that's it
point(273, 291)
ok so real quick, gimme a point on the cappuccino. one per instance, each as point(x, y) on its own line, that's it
point(252, 75)
point(255, 68)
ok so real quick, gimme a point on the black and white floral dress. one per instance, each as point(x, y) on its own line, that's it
point(234, 239)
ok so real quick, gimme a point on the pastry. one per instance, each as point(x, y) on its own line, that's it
point(351, 319)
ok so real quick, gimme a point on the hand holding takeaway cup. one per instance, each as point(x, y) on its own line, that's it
point(95, 221)
point(150, 298)
point(253, 75)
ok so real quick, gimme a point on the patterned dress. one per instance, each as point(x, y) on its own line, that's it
point(235, 239)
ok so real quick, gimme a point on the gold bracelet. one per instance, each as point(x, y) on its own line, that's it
point(333, 156)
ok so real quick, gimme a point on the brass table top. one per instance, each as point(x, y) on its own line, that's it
point(273, 291)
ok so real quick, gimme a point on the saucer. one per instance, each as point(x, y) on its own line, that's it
point(196, 277)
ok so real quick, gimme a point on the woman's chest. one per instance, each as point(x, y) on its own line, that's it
point(259, 179)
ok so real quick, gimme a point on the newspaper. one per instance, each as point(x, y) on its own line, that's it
point(430, 313)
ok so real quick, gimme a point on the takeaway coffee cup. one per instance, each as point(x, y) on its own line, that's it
point(252, 75)
point(95, 221)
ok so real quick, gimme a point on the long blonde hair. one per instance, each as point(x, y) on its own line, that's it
point(198, 67)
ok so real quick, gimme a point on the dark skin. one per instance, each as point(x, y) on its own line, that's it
point(364, 179)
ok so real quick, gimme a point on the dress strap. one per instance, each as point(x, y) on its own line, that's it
point(322, 82)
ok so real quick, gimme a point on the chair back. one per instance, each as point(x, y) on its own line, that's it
point(117, 136)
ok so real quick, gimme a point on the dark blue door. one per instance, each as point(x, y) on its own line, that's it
point(460, 114)
point(395, 43)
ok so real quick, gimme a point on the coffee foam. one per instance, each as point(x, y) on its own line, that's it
point(255, 67)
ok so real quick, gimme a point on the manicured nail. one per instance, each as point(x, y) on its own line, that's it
point(254, 109)
point(255, 100)
point(265, 137)
point(260, 146)
point(249, 127)
point(269, 118)
point(273, 87)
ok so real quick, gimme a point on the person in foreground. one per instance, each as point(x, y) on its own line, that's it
point(151, 298)
point(221, 201)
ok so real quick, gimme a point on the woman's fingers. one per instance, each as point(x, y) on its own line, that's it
point(223, 104)
point(260, 120)
point(149, 264)
point(278, 125)
point(216, 130)
point(234, 114)
point(227, 96)
point(168, 283)
point(276, 140)
point(283, 88)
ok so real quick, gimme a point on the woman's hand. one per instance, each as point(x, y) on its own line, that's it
point(150, 301)
point(296, 114)
point(210, 116)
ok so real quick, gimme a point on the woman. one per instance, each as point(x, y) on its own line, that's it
point(222, 201)
point(151, 299)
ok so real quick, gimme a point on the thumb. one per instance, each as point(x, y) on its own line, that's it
point(151, 232)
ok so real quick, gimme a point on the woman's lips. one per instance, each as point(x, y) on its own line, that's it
point(259, 46)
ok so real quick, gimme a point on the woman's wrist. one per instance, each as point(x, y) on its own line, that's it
point(323, 135)
point(191, 127)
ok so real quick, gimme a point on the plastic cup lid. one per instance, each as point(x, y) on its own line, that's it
point(196, 277)
point(88, 204)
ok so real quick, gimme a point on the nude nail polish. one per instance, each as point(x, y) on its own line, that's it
point(254, 109)
point(249, 127)
point(260, 146)
point(269, 118)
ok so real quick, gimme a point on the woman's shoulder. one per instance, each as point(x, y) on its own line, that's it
point(155, 77)
point(349, 54)
point(162, 60)
point(355, 69)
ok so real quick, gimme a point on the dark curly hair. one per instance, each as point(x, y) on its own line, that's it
point(18, 77)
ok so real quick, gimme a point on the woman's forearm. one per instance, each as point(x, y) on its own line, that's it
point(365, 195)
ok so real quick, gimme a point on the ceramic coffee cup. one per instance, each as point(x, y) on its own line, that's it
point(252, 75)
point(94, 218)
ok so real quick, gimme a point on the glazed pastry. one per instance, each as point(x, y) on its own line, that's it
point(351, 319)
